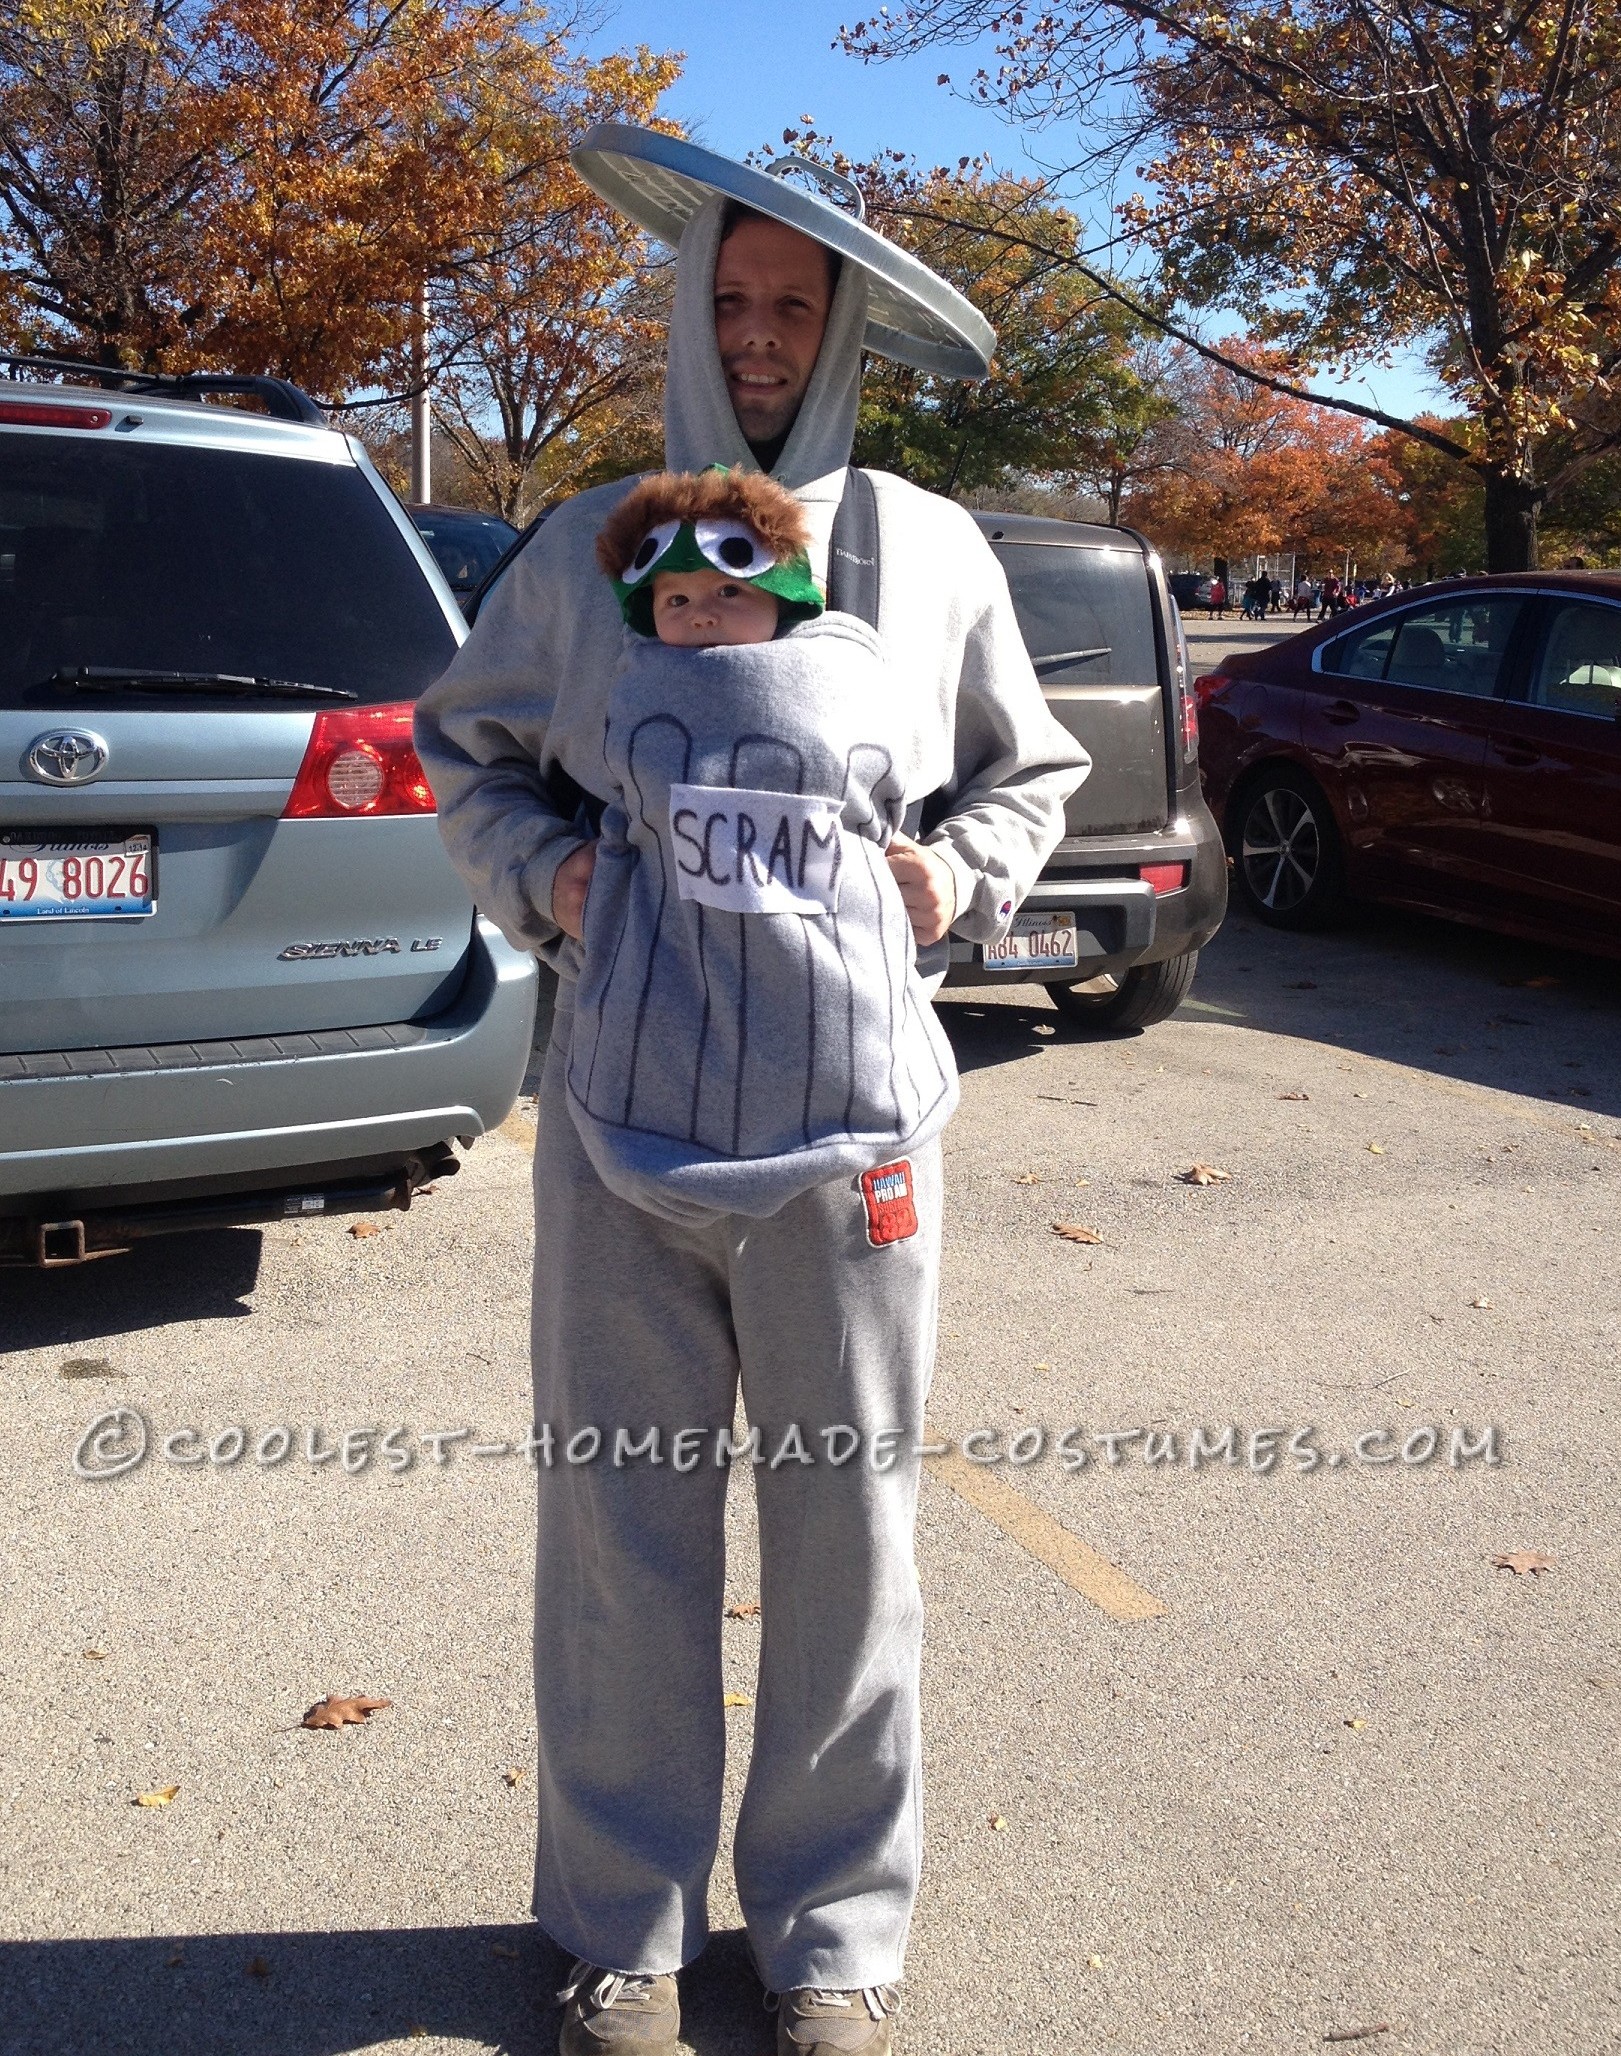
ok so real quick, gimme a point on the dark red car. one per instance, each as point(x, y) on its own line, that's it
point(1456, 749)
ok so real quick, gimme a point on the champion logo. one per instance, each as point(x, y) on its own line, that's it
point(887, 1194)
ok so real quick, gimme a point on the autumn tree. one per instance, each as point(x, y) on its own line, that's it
point(1250, 472)
point(1062, 369)
point(547, 329)
point(262, 185)
point(1443, 503)
point(1353, 178)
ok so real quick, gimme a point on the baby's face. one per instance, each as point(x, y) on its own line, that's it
point(697, 610)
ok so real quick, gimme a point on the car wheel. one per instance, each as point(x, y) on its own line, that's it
point(1287, 858)
point(1141, 996)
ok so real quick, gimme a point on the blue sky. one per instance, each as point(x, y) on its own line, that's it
point(752, 73)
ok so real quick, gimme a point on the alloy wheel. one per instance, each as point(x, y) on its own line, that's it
point(1282, 851)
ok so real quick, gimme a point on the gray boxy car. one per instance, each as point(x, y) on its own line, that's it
point(1138, 885)
point(239, 979)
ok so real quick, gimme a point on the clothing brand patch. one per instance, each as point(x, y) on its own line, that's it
point(756, 852)
point(887, 1192)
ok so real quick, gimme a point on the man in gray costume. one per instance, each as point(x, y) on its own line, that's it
point(824, 1310)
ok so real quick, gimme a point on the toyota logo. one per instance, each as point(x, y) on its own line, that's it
point(67, 756)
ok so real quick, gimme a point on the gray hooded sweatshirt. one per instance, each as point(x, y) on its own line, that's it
point(514, 730)
point(750, 1021)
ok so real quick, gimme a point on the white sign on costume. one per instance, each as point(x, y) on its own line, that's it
point(753, 852)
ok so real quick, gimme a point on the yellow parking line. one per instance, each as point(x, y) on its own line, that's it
point(1047, 1540)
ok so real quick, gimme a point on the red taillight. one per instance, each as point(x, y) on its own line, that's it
point(1207, 688)
point(1164, 877)
point(50, 414)
point(360, 762)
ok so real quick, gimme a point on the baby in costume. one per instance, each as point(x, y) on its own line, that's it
point(749, 1021)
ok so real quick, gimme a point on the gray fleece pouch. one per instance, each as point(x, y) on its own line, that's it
point(749, 1021)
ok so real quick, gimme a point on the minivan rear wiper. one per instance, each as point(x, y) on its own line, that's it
point(1060, 658)
point(131, 678)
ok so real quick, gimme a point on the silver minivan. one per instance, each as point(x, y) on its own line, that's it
point(239, 979)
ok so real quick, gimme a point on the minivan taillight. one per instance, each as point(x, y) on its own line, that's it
point(360, 761)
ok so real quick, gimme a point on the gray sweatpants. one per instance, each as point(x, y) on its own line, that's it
point(641, 1322)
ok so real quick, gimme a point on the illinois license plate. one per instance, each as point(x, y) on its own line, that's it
point(75, 877)
point(1035, 942)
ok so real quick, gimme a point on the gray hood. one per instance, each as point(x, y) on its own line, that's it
point(699, 425)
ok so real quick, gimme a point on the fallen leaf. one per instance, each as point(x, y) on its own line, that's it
point(1041, 1367)
point(163, 1796)
point(176, 1956)
point(737, 1699)
point(257, 1967)
point(95, 1655)
point(416, 2032)
point(1072, 1231)
point(745, 1610)
point(1376, 1149)
point(1094, 1962)
point(501, 1949)
point(512, 1777)
point(998, 1822)
point(1358, 1724)
point(1294, 1095)
point(1203, 1174)
point(1402, 1402)
point(1027, 1178)
point(89, 1367)
point(333, 1712)
point(361, 1229)
point(1356, 2034)
point(1482, 1304)
point(1521, 1561)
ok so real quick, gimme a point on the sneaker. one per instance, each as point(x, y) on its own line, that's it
point(609, 2011)
point(821, 2023)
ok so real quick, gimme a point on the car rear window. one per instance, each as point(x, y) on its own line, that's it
point(466, 547)
point(184, 559)
point(1087, 615)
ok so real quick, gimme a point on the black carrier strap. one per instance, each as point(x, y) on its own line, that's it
point(853, 574)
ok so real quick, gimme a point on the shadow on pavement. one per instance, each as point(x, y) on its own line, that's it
point(995, 1033)
point(1483, 1009)
point(206, 1276)
point(327, 1994)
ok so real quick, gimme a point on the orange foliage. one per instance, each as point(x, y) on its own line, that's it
point(1252, 473)
point(262, 184)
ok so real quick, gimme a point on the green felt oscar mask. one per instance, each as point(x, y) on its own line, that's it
point(718, 544)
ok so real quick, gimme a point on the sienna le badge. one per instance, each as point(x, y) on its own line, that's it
point(890, 1203)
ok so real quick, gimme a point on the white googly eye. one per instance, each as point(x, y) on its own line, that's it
point(648, 551)
point(733, 546)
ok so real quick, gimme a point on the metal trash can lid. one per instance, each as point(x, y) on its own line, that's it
point(661, 181)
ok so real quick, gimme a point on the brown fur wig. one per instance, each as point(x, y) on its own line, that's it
point(736, 495)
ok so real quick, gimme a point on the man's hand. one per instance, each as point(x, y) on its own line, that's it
point(928, 888)
point(569, 885)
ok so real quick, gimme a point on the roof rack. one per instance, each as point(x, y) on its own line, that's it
point(282, 399)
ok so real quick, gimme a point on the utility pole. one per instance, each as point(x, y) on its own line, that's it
point(421, 407)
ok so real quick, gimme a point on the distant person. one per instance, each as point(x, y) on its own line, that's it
point(1217, 603)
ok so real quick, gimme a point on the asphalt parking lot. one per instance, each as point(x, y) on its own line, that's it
point(1339, 1772)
